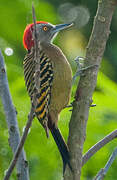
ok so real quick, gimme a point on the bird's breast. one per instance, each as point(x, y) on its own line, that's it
point(62, 78)
point(61, 88)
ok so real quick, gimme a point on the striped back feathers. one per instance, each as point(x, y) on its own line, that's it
point(46, 78)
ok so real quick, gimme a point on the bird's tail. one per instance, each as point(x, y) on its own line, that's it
point(62, 146)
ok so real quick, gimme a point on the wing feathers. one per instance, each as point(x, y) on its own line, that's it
point(46, 78)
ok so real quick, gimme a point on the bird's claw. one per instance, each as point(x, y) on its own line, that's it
point(80, 69)
point(79, 61)
point(92, 105)
point(68, 106)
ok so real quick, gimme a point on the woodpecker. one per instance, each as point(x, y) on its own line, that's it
point(55, 80)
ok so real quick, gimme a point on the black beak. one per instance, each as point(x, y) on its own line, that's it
point(60, 27)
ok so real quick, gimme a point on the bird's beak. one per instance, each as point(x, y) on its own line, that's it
point(60, 27)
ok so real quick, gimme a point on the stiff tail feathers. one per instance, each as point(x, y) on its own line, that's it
point(62, 146)
point(63, 149)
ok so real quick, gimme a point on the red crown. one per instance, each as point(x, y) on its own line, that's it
point(28, 41)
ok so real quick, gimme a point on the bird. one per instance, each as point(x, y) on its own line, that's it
point(55, 80)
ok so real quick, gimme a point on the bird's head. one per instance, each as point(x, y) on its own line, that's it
point(45, 32)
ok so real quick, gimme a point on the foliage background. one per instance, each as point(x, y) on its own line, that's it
point(44, 159)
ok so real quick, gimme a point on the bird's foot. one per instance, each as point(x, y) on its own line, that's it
point(92, 105)
point(80, 68)
point(79, 62)
point(70, 106)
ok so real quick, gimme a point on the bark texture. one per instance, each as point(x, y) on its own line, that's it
point(11, 119)
point(87, 84)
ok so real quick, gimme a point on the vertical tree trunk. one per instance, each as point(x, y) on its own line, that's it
point(87, 84)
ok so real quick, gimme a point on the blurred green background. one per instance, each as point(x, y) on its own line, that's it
point(44, 159)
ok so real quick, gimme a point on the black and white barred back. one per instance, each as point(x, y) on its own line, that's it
point(46, 78)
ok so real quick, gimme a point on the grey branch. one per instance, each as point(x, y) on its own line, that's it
point(37, 52)
point(87, 84)
point(98, 146)
point(32, 112)
point(35, 32)
point(11, 119)
point(20, 146)
point(103, 171)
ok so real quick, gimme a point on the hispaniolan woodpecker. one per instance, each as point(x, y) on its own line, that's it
point(55, 80)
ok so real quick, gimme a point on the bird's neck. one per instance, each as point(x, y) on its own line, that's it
point(47, 45)
point(52, 51)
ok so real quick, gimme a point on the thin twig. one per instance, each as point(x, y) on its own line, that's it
point(35, 32)
point(98, 146)
point(101, 174)
point(31, 115)
point(11, 119)
point(20, 146)
point(37, 52)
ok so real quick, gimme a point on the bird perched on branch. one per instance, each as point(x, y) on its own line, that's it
point(55, 80)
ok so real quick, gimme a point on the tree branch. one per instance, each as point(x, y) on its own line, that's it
point(20, 146)
point(86, 86)
point(98, 146)
point(103, 171)
point(34, 102)
point(11, 119)
point(37, 53)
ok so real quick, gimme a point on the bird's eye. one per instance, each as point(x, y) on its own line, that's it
point(45, 28)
